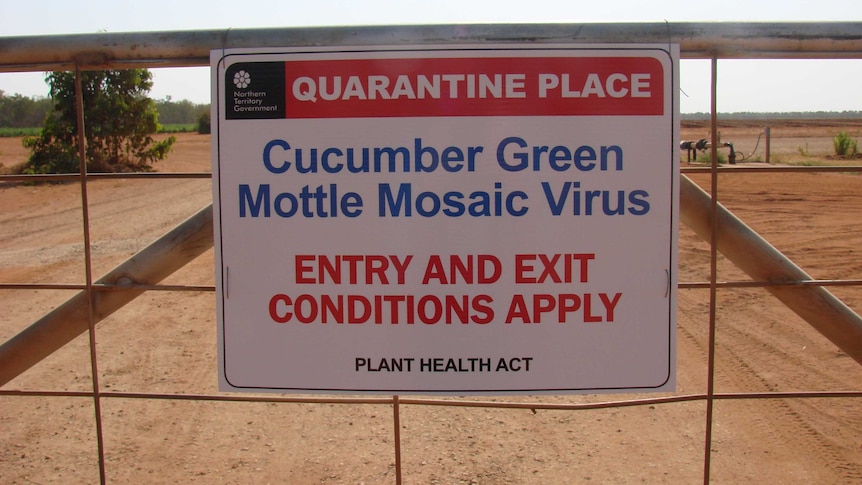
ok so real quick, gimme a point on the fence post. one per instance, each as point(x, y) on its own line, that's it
point(396, 412)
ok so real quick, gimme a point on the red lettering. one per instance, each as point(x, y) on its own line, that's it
point(352, 264)
point(568, 303)
point(300, 261)
point(518, 309)
point(542, 304)
point(435, 270)
point(588, 310)
point(358, 309)
point(273, 308)
point(525, 270)
point(436, 308)
point(401, 266)
point(305, 308)
point(610, 305)
point(585, 260)
point(497, 269)
point(376, 265)
point(334, 308)
point(333, 270)
point(549, 270)
point(480, 304)
point(521, 266)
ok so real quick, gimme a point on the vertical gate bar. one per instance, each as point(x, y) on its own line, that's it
point(396, 411)
point(713, 269)
point(88, 268)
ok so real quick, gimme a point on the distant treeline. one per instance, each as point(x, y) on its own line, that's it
point(795, 115)
point(17, 111)
point(179, 112)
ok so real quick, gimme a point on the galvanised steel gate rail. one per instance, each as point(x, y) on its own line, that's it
point(724, 40)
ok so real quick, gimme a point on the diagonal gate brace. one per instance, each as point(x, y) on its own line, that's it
point(151, 265)
point(762, 262)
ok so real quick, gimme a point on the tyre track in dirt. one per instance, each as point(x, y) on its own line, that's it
point(804, 218)
point(781, 421)
point(29, 224)
point(794, 424)
point(38, 234)
point(743, 361)
point(750, 349)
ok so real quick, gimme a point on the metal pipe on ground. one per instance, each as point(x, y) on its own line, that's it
point(760, 260)
point(151, 265)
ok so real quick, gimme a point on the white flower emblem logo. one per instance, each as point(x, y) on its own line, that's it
point(241, 79)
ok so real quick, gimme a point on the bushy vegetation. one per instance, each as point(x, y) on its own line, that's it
point(20, 112)
point(119, 120)
point(180, 112)
point(9, 132)
point(177, 128)
point(845, 146)
point(204, 127)
point(24, 116)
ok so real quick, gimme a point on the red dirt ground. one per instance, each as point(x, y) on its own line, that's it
point(165, 343)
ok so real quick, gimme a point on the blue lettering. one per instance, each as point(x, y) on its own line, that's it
point(585, 153)
point(420, 204)
point(639, 198)
point(454, 205)
point(292, 208)
point(325, 160)
point(267, 161)
point(262, 199)
point(386, 200)
point(522, 158)
point(510, 203)
point(556, 203)
point(558, 158)
point(619, 157)
point(420, 153)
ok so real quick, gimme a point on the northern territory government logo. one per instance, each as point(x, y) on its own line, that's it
point(254, 90)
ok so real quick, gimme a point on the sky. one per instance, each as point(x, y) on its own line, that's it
point(743, 85)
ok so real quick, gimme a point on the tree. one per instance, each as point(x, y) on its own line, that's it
point(19, 111)
point(118, 118)
point(204, 127)
point(179, 112)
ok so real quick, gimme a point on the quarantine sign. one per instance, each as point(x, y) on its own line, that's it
point(467, 219)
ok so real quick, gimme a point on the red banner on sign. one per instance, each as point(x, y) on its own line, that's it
point(525, 86)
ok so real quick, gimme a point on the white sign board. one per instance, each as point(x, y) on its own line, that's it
point(465, 220)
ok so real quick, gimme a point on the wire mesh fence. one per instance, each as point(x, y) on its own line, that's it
point(761, 394)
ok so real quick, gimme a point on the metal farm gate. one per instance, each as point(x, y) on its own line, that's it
point(149, 272)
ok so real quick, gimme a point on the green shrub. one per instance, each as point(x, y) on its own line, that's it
point(706, 157)
point(16, 132)
point(119, 119)
point(176, 128)
point(204, 126)
point(845, 146)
